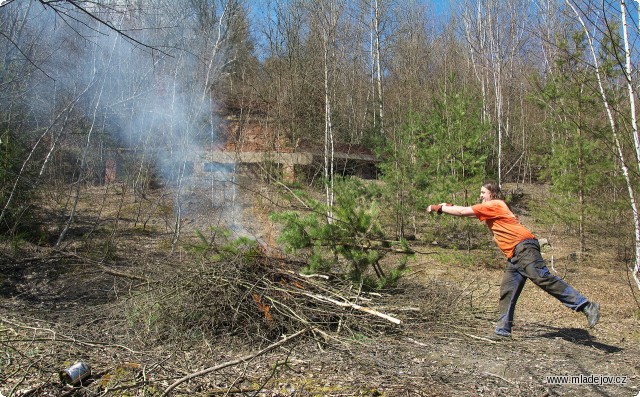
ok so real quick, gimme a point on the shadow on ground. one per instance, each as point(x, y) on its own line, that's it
point(578, 336)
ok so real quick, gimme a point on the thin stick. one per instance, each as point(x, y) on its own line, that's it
point(233, 362)
point(479, 338)
point(499, 377)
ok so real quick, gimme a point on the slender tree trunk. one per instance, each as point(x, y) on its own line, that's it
point(581, 183)
point(85, 151)
point(214, 51)
point(636, 137)
point(65, 112)
point(330, 13)
point(376, 24)
point(177, 222)
point(481, 34)
point(623, 164)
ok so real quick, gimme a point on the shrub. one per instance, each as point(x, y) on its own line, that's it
point(350, 240)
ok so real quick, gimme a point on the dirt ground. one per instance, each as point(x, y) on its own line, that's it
point(57, 308)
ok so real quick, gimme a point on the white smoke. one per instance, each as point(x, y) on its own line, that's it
point(146, 88)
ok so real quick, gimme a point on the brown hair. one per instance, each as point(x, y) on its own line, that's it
point(494, 189)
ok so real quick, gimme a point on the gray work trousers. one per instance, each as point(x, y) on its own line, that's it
point(527, 263)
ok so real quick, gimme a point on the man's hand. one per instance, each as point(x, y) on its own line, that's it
point(436, 208)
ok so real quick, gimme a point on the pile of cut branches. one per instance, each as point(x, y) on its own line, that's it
point(256, 297)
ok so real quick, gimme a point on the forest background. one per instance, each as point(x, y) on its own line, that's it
point(516, 91)
point(447, 96)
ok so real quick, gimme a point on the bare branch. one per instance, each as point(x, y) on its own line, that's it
point(5, 3)
point(233, 362)
point(109, 25)
point(22, 52)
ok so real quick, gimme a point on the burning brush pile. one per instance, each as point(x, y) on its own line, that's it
point(241, 291)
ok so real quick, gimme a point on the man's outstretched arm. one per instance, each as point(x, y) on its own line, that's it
point(455, 210)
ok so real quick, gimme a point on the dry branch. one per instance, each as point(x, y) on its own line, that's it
point(479, 338)
point(354, 306)
point(117, 273)
point(233, 362)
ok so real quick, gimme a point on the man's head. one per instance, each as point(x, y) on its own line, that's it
point(490, 191)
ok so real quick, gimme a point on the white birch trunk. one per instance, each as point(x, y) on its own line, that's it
point(616, 138)
point(378, 67)
point(636, 140)
point(328, 138)
point(371, 94)
point(328, 38)
point(214, 51)
point(495, 64)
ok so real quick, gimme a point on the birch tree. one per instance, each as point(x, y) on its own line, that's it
point(328, 35)
point(376, 68)
point(632, 187)
point(494, 31)
point(328, 13)
point(628, 158)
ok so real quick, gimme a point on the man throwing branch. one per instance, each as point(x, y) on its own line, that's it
point(524, 260)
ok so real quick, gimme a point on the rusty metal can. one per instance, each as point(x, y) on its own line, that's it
point(76, 373)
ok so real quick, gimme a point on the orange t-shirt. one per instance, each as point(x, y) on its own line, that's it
point(507, 231)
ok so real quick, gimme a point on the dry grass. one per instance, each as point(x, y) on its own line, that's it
point(143, 315)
